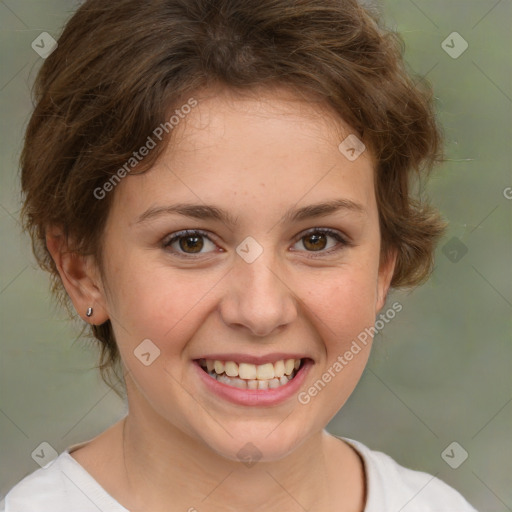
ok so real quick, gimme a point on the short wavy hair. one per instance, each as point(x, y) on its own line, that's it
point(122, 65)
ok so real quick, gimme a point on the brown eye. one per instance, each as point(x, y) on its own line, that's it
point(188, 242)
point(315, 241)
point(191, 243)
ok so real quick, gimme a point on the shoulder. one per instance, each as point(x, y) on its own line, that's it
point(44, 488)
point(60, 486)
point(390, 486)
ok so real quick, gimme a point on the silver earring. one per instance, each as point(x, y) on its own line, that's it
point(89, 312)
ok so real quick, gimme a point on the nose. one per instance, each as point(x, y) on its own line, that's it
point(258, 298)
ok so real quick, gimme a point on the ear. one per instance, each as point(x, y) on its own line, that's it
point(386, 269)
point(80, 277)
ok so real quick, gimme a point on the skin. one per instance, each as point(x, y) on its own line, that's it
point(255, 156)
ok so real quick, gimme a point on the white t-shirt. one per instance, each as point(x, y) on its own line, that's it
point(64, 485)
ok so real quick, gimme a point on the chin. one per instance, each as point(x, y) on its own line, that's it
point(256, 444)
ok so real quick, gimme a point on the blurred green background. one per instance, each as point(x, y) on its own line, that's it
point(440, 371)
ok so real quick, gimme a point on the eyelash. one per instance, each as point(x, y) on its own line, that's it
point(342, 241)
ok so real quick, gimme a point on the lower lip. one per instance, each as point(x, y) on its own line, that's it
point(255, 396)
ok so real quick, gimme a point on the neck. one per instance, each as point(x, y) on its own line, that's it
point(163, 465)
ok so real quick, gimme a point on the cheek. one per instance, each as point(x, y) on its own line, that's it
point(158, 303)
point(344, 303)
point(342, 308)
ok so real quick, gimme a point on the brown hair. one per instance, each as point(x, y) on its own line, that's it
point(121, 65)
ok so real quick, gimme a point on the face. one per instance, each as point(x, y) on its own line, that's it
point(264, 280)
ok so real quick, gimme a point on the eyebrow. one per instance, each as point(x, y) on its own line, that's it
point(210, 212)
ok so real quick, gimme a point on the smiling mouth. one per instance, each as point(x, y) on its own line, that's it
point(251, 376)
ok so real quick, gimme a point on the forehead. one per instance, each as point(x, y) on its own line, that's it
point(264, 145)
point(272, 116)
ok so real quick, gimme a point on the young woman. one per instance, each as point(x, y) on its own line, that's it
point(222, 190)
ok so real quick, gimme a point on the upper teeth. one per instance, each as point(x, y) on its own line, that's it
point(251, 371)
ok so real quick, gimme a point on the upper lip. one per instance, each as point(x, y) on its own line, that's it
point(257, 360)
